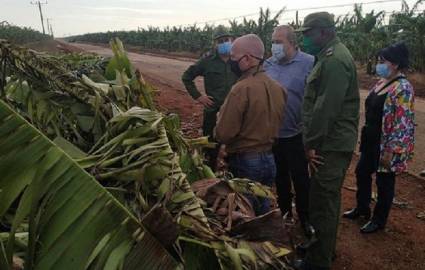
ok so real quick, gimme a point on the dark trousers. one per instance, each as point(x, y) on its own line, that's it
point(291, 164)
point(208, 125)
point(385, 183)
point(259, 167)
point(209, 121)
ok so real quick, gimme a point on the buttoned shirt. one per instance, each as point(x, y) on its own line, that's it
point(292, 75)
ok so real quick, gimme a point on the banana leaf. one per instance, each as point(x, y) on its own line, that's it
point(74, 222)
point(119, 62)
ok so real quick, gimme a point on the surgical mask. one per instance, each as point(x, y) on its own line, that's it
point(224, 48)
point(278, 52)
point(310, 47)
point(382, 70)
point(234, 67)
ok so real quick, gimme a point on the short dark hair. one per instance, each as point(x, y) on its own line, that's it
point(397, 54)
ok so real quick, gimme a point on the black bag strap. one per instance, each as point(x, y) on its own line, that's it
point(390, 82)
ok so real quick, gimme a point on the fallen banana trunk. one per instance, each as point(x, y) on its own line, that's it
point(225, 203)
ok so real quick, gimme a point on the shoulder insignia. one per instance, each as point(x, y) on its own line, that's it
point(207, 54)
point(330, 51)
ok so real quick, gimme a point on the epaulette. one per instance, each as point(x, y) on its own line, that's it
point(330, 51)
point(206, 54)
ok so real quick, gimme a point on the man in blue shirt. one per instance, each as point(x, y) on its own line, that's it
point(290, 67)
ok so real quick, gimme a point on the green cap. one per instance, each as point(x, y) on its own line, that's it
point(317, 20)
point(221, 31)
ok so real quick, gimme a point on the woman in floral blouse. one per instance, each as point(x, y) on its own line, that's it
point(387, 137)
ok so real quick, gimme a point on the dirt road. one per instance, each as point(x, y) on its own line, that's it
point(400, 247)
point(168, 71)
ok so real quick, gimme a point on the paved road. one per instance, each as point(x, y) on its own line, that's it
point(168, 71)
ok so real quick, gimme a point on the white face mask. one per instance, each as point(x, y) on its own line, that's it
point(278, 51)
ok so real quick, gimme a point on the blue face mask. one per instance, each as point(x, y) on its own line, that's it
point(278, 52)
point(224, 48)
point(382, 70)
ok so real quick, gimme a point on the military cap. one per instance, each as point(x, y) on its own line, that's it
point(317, 20)
point(221, 31)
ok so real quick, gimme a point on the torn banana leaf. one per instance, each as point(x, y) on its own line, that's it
point(74, 223)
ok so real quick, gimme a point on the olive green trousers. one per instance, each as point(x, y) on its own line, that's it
point(325, 204)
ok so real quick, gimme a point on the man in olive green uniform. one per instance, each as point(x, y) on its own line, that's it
point(218, 80)
point(330, 114)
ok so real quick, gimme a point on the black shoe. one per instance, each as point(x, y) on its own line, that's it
point(303, 265)
point(334, 257)
point(300, 265)
point(310, 233)
point(371, 227)
point(355, 213)
point(308, 229)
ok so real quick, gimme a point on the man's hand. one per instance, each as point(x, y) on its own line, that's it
point(386, 160)
point(314, 160)
point(221, 158)
point(205, 100)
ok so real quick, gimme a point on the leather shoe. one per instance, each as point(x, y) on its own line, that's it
point(300, 265)
point(355, 213)
point(303, 265)
point(371, 227)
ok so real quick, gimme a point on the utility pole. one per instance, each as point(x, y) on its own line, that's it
point(49, 26)
point(296, 19)
point(51, 31)
point(41, 12)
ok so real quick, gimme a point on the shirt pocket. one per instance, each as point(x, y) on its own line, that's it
point(314, 75)
point(312, 82)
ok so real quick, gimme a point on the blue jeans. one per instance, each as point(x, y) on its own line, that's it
point(259, 167)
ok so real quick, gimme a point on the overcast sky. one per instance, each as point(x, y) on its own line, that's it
point(70, 17)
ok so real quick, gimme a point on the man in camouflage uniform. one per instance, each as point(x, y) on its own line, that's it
point(218, 80)
point(330, 115)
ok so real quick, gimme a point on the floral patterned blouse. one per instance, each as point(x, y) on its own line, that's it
point(398, 125)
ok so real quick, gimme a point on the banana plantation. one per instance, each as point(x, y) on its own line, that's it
point(20, 35)
point(95, 177)
point(363, 33)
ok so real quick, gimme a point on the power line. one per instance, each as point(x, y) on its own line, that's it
point(294, 9)
point(41, 12)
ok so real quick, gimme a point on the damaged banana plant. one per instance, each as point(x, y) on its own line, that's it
point(74, 222)
point(112, 130)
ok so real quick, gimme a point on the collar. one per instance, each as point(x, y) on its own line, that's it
point(251, 72)
point(296, 58)
point(328, 48)
point(217, 56)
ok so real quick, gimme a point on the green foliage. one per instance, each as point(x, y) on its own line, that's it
point(189, 38)
point(119, 62)
point(74, 222)
point(364, 34)
point(20, 35)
